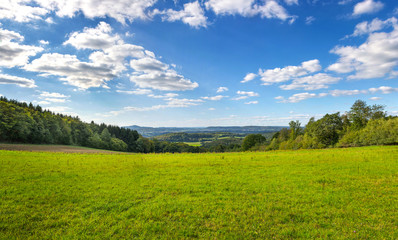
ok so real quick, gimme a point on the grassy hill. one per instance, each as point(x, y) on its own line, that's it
point(307, 194)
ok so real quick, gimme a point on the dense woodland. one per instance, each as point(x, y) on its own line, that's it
point(363, 125)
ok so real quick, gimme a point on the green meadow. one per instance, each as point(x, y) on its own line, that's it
point(347, 193)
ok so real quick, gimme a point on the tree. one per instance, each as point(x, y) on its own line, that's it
point(295, 129)
point(327, 129)
point(251, 140)
point(361, 113)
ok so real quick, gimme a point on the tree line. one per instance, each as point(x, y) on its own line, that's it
point(363, 125)
point(21, 122)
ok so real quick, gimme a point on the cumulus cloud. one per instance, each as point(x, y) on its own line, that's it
point(222, 89)
point(214, 98)
point(251, 102)
point(108, 61)
point(138, 91)
point(44, 42)
point(73, 71)
point(373, 26)
point(375, 58)
point(314, 82)
point(12, 52)
point(20, 11)
point(278, 75)
point(336, 93)
point(383, 90)
point(375, 98)
point(45, 94)
point(93, 38)
point(367, 6)
point(192, 14)
point(249, 77)
point(245, 95)
point(148, 65)
point(168, 80)
point(151, 73)
point(22, 82)
point(121, 10)
point(248, 8)
point(170, 103)
point(167, 95)
point(296, 97)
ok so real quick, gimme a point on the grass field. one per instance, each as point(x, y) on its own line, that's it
point(325, 194)
point(195, 144)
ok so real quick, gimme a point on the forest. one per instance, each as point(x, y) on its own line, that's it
point(363, 125)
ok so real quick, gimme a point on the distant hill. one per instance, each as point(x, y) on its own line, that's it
point(152, 132)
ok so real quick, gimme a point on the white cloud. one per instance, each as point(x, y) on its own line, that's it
point(52, 97)
point(121, 10)
point(138, 91)
point(45, 94)
point(170, 103)
point(279, 75)
point(250, 94)
point(212, 109)
point(249, 77)
point(148, 65)
point(214, 98)
point(108, 61)
point(309, 20)
point(94, 38)
point(76, 73)
point(21, 11)
point(222, 89)
point(367, 6)
point(375, 58)
point(49, 20)
point(22, 82)
point(375, 98)
point(192, 14)
point(43, 42)
point(291, 2)
point(167, 95)
point(245, 95)
point(373, 26)
point(344, 2)
point(271, 9)
point(252, 102)
point(248, 8)
point(296, 97)
point(168, 80)
point(314, 82)
point(383, 90)
point(231, 7)
point(12, 52)
point(338, 93)
point(55, 100)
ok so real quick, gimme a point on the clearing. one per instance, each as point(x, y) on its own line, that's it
point(307, 194)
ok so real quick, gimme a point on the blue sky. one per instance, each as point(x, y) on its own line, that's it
point(199, 63)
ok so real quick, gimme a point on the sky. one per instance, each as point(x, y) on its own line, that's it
point(164, 63)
